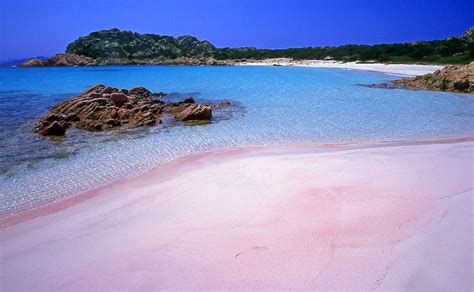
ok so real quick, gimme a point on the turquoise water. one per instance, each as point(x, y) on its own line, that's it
point(282, 105)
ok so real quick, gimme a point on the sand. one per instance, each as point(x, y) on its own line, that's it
point(394, 69)
point(372, 218)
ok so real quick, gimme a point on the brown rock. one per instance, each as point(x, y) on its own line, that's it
point(72, 118)
point(108, 90)
point(101, 108)
point(140, 91)
point(96, 88)
point(119, 99)
point(195, 112)
point(112, 123)
point(156, 108)
point(100, 101)
point(455, 78)
point(60, 60)
point(128, 106)
point(52, 129)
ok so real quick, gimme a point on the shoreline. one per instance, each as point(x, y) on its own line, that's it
point(308, 223)
point(395, 69)
point(70, 201)
point(403, 70)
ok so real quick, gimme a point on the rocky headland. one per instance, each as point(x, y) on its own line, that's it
point(452, 78)
point(60, 60)
point(103, 107)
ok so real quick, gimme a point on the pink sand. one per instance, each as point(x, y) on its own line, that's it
point(397, 217)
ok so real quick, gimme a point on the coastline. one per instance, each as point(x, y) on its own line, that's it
point(155, 212)
point(402, 70)
point(164, 170)
point(395, 69)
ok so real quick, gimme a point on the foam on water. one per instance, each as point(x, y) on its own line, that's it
point(283, 105)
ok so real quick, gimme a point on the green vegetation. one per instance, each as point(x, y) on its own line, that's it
point(126, 45)
point(451, 51)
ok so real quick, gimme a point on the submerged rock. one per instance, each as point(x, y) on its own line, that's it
point(54, 128)
point(102, 107)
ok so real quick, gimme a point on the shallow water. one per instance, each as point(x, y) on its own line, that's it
point(283, 105)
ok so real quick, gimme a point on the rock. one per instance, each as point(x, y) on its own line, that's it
point(128, 106)
point(118, 99)
point(96, 88)
point(156, 108)
point(108, 90)
point(101, 108)
point(100, 101)
point(52, 129)
point(195, 112)
point(60, 60)
point(112, 123)
point(189, 100)
point(454, 78)
point(52, 118)
point(72, 118)
point(144, 108)
point(140, 91)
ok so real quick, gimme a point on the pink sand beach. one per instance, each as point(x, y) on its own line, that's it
point(360, 218)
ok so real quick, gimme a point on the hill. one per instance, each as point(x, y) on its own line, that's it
point(114, 46)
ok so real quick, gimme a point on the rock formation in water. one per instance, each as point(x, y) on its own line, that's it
point(60, 60)
point(102, 107)
point(454, 78)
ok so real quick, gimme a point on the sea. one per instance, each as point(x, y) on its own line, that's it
point(274, 106)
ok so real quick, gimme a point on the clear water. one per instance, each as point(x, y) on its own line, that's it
point(283, 105)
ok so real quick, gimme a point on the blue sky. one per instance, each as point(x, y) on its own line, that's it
point(34, 27)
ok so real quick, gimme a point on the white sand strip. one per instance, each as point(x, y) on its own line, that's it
point(397, 217)
point(395, 69)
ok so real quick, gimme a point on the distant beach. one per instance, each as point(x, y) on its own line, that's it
point(396, 69)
